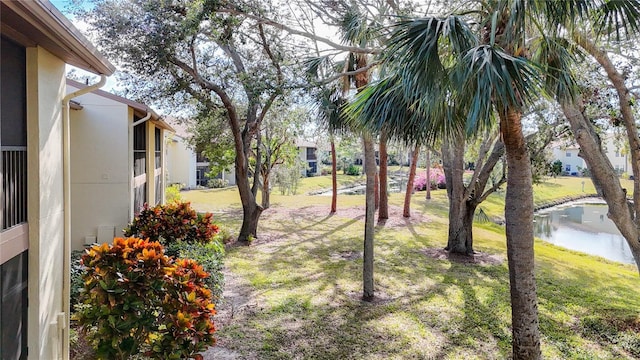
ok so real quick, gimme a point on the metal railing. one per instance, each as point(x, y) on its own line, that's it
point(14, 185)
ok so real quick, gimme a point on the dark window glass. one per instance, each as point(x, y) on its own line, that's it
point(139, 197)
point(13, 308)
point(311, 154)
point(139, 149)
point(13, 87)
point(158, 157)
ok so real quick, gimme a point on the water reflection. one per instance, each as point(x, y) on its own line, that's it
point(584, 228)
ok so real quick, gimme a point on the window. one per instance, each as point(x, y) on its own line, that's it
point(139, 148)
point(158, 157)
point(139, 165)
point(158, 165)
point(13, 201)
point(311, 153)
point(568, 154)
point(567, 168)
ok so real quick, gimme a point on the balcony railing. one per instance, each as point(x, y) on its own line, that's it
point(14, 185)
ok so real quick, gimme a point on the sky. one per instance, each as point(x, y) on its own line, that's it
point(62, 5)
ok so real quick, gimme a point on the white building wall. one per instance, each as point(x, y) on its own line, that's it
point(45, 90)
point(571, 162)
point(617, 156)
point(181, 163)
point(100, 174)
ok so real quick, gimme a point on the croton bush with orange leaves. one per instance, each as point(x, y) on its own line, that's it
point(175, 221)
point(137, 299)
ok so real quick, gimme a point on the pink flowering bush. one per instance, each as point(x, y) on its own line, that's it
point(437, 180)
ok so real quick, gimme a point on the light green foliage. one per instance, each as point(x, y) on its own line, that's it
point(217, 183)
point(172, 193)
point(287, 178)
point(210, 256)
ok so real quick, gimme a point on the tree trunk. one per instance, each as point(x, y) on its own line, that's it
point(428, 196)
point(383, 210)
point(602, 171)
point(367, 272)
point(519, 230)
point(461, 229)
point(406, 212)
point(265, 192)
point(334, 176)
point(250, 209)
point(461, 208)
point(624, 216)
point(376, 188)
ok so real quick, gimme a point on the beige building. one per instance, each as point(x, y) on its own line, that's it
point(37, 41)
point(117, 163)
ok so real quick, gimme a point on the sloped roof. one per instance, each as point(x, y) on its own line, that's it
point(38, 22)
point(305, 143)
point(140, 109)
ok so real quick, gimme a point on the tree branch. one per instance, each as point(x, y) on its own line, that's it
point(353, 49)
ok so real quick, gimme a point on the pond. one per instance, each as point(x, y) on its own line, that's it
point(583, 227)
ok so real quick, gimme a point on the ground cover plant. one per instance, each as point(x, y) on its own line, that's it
point(295, 292)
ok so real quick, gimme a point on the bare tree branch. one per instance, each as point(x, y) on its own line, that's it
point(353, 49)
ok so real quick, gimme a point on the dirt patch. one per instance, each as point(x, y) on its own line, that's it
point(237, 300)
point(354, 212)
point(479, 258)
point(346, 255)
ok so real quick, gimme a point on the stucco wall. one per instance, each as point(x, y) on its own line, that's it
point(573, 160)
point(100, 174)
point(45, 90)
point(181, 163)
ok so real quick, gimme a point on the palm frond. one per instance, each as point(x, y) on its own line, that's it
point(619, 17)
point(555, 55)
point(487, 76)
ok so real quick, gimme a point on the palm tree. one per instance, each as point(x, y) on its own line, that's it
point(454, 75)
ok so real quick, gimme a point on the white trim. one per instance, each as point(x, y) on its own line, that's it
point(139, 180)
point(13, 241)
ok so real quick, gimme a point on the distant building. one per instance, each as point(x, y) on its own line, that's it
point(307, 151)
point(572, 164)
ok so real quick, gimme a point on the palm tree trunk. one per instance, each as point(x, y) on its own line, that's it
point(370, 169)
point(383, 210)
point(519, 230)
point(428, 196)
point(376, 187)
point(406, 212)
point(334, 176)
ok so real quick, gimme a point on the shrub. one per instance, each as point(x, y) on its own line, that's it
point(172, 193)
point(210, 256)
point(138, 299)
point(217, 183)
point(77, 272)
point(325, 170)
point(172, 222)
point(186, 314)
point(438, 180)
point(223, 235)
point(352, 170)
point(287, 178)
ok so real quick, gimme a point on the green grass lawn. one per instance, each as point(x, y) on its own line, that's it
point(301, 284)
